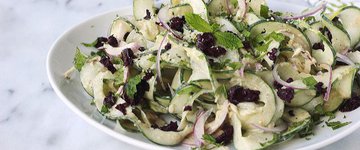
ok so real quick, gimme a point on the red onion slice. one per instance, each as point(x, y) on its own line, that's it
point(161, 16)
point(126, 74)
point(158, 58)
point(284, 83)
point(242, 70)
point(228, 6)
point(199, 128)
point(345, 59)
point(328, 89)
point(272, 130)
point(219, 119)
point(312, 11)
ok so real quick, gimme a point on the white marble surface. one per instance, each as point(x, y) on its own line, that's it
point(31, 115)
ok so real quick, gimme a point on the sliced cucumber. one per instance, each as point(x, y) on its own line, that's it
point(310, 107)
point(199, 65)
point(226, 25)
point(198, 7)
point(99, 88)
point(156, 107)
point(135, 36)
point(88, 73)
point(252, 139)
point(176, 55)
point(341, 90)
point(251, 18)
point(120, 27)
point(293, 115)
point(267, 27)
point(328, 55)
point(337, 74)
point(168, 138)
point(182, 97)
point(180, 10)
point(302, 97)
point(314, 36)
point(164, 101)
point(251, 112)
point(127, 125)
point(354, 56)
point(350, 19)
point(150, 93)
point(340, 38)
point(255, 5)
point(220, 7)
point(141, 6)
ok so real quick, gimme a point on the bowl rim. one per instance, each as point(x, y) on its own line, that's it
point(129, 140)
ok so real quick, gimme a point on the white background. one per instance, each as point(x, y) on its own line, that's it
point(31, 115)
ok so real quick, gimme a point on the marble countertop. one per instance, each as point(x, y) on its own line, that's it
point(31, 115)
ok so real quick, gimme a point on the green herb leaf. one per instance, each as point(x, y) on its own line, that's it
point(337, 124)
point(92, 44)
point(263, 48)
point(221, 91)
point(235, 65)
point(276, 36)
point(130, 87)
point(228, 40)
point(79, 59)
point(264, 11)
point(98, 53)
point(211, 140)
point(104, 109)
point(198, 23)
point(309, 81)
point(119, 77)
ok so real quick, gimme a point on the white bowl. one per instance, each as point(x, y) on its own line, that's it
point(60, 58)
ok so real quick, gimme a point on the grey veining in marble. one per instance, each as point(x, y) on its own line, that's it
point(31, 115)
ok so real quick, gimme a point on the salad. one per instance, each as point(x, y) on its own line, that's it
point(210, 74)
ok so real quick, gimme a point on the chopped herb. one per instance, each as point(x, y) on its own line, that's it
point(152, 59)
point(130, 87)
point(119, 77)
point(92, 44)
point(336, 124)
point(79, 59)
point(104, 109)
point(211, 140)
point(92, 102)
point(278, 37)
point(235, 65)
point(221, 91)
point(309, 81)
point(264, 11)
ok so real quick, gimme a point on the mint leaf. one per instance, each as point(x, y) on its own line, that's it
point(130, 87)
point(278, 37)
point(337, 124)
point(79, 59)
point(198, 23)
point(221, 91)
point(119, 77)
point(263, 48)
point(264, 11)
point(210, 139)
point(228, 40)
point(235, 65)
point(92, 44)
point(309, 81)
point(104, 109)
